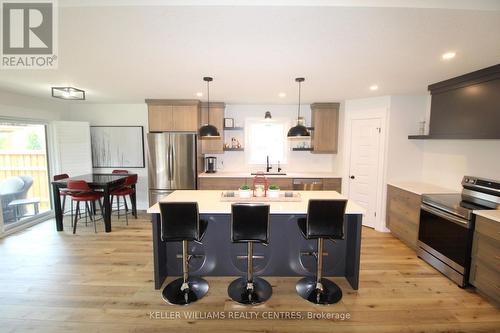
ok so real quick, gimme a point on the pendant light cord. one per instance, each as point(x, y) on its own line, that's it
point(298, 112)
point(208, 103)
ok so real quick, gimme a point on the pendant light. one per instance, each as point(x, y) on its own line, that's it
point(208, 131)
point(298, 130)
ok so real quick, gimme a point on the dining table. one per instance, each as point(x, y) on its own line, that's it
point(104, 182)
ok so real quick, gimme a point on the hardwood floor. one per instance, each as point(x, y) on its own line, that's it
point(59, 282)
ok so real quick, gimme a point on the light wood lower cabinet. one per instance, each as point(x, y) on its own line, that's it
point(485, 265)
point(205, 183)
point(285, 184)
point(403, 214)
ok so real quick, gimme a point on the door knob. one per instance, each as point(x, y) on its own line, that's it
point(352, 177)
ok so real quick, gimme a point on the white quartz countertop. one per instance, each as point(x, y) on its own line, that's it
point(221, 174)
point(420, 187)
point(209, 202)
point(493, 215)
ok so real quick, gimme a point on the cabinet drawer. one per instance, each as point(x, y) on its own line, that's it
point(283, 183)
point(486, 280)
point(488, 227)
point(487, 250)
point(222, 183)
point(404, 210)
point(332, 184)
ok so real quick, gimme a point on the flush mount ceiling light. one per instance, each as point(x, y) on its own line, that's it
point(298, 130)
point(68, 93)
point(282, 94)
point(208, 131)
point(199, 94)
point(268, 115)
point(448, 55)
point(373, 87)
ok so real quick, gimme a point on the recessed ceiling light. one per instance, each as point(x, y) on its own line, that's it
point(282, 94)
point(199, 94)
point(373, 87)
point(448, 55)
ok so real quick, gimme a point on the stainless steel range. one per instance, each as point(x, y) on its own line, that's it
point(447, 226)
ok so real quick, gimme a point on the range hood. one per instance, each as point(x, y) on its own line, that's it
point(466, 107)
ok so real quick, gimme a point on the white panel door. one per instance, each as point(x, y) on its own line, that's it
point(364, 166)
point(71, 144)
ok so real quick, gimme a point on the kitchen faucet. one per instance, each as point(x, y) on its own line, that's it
point(268, 166)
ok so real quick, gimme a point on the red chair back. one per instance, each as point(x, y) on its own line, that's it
point(61, 176)
point(78, 186)
point(130, 180)
point(119, 171)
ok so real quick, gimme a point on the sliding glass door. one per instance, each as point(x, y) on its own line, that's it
point(24, 175)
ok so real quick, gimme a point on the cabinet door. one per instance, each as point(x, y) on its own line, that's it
point(160, 118)
point(213, 146)
point(185, 118)
point(325, 133)
point(212, 183)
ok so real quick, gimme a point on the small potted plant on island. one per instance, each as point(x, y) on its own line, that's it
point(244, 191)
point(273, 191)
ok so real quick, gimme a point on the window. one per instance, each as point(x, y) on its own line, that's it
point(266, 138)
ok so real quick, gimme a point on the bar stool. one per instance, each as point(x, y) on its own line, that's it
point(81, 192)
point(180, 222)
point(325, 220)
point(123, 192)
point(119, 171)
point(250, 224)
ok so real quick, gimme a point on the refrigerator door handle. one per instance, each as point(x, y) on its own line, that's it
point(173, 163)
point(169, 154)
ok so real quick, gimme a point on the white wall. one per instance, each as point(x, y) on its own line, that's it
point(117, 115)
point(21, 106)
point(445, 162)
point(296, 160)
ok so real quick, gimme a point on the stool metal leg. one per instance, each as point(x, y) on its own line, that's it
point(317, 289)
point(250, 290)
point(187, 289)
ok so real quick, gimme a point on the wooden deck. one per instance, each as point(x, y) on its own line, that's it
point(59, 282)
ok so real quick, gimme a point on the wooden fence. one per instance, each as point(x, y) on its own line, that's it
point(28, 163)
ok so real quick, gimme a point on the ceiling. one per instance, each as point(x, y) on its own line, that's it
point(123, 52)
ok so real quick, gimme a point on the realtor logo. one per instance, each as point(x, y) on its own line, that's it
point(28, 35)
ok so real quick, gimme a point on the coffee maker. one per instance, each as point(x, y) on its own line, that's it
point(210, 164)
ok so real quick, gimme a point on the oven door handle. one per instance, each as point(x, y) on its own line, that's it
point(446, 216)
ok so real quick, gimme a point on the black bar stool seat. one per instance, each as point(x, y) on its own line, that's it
point(250, 224)
point(180, 222)
point(325, 220)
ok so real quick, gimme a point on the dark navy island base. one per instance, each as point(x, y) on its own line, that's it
point(282, 257)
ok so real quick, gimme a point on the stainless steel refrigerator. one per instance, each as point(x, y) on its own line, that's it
point(172, 163)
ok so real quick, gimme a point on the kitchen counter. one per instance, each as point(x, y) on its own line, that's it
point(222, 174)
point(282, 255)
point(420, 188)
point(493, 215)
point(209, 202)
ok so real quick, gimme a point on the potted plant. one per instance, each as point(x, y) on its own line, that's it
point(273, 191)
point(245, 191)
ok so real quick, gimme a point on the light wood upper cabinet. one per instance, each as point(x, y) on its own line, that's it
point(325, 120)
point(173, 115)
point(160, 118)
point(213, 146)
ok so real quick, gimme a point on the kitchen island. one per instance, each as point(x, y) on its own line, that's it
point(218, 256)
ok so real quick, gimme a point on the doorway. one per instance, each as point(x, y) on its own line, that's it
point(365, 163)
point(24, 174)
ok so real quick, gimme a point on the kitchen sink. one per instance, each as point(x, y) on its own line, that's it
point(269, 173)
